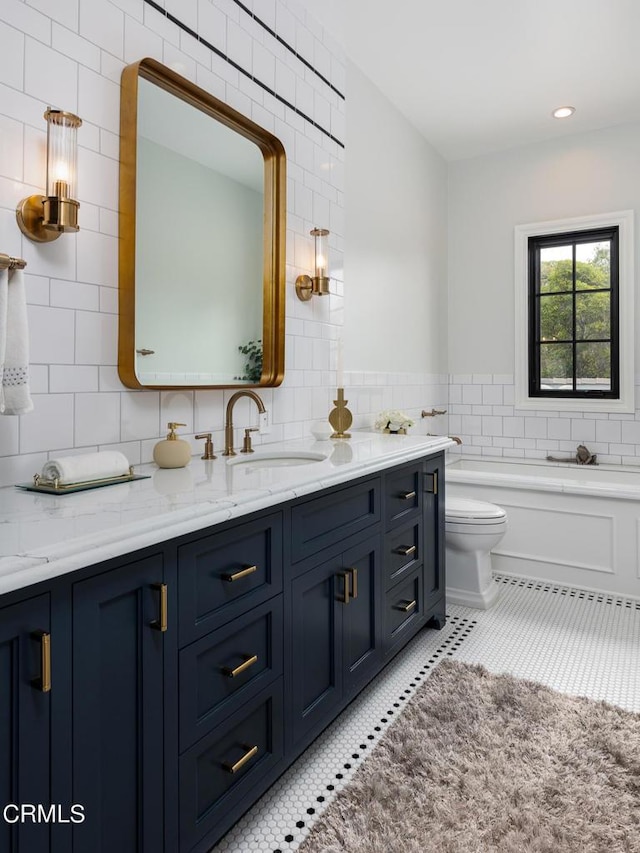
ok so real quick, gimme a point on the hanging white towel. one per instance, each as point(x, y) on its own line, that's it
point(86, 466)
point(15, 397)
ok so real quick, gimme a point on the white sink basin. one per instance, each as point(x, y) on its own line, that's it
point(277, 458)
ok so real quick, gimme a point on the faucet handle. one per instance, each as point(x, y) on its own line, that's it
point(208, 446)
point(246, 444)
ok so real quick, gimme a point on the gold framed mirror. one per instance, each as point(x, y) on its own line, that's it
point(202, 239)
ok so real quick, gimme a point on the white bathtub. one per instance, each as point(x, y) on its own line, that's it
point(577, 525)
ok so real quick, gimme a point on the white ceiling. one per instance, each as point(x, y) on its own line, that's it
point(476, 76)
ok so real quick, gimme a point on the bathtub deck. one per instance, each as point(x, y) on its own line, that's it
point(537, 475)
point(577, 642)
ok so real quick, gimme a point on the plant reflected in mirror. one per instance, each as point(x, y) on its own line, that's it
point(253, 367)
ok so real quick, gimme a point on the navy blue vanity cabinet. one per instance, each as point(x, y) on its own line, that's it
point(121, 623)
point(186, 677)
point(231, 661)
point(405, 508)
point(335, 622)
point(433, 541)
point(414, 550)
point(25, 720)
point(336, 636)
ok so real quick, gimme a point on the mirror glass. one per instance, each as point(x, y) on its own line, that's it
point(202, 248)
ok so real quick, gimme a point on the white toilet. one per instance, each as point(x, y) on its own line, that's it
point(472, 529)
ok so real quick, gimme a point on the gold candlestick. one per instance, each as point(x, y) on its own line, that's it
point(340, 418)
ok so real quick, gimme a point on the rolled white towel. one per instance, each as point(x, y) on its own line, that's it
point(86, 466)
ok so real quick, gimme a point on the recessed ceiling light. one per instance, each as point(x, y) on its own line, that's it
point(563, 112)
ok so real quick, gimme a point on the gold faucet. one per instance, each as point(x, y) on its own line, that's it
point(228, 421)
point(452, 437)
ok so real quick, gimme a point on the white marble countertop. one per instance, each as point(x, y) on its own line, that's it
point(43, 535)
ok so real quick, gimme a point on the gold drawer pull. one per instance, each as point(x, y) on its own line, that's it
point(44, 682)
point(231, 673)
point(161, 623)
point(345, 579)
point(233, 768)
point(434, 482)
point(354, 583)
point(406, 608)
point(405, 550)
point(236, 576)
point(406, 496)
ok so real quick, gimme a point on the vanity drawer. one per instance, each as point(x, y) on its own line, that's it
point(403, 552)
point(403, 609)
point(227, 667)
point(223, 575)
point(217, 773)
point(403, 494)
point(320, 522)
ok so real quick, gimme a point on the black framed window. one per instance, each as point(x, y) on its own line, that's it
point(574, 328)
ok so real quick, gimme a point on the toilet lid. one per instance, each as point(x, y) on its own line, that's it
point(460, 508)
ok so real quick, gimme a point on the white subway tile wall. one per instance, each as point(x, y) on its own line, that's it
point(496, 428)
point(70, 54)
point(370, 393)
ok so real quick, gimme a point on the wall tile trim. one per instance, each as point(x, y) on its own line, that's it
point(249, 74)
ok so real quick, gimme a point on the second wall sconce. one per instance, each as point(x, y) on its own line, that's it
point(45, 217)
point(317, 285)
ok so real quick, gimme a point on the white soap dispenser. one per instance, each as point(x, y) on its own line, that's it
point(172, 452)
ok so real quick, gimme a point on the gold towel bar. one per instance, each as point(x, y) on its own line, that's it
point(9, 263)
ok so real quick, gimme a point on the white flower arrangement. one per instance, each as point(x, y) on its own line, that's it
point(393, 420)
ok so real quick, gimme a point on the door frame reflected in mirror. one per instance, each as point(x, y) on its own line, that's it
point(274, 230)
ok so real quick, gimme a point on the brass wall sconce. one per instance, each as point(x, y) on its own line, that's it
point(43, 218)
point(317, 285)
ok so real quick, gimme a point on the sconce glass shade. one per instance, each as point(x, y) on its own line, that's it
point(62, 153)
point(320, 236)
point(318, 284)
point(44, 217)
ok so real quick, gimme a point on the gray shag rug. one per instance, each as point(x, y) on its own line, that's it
point(481, 762)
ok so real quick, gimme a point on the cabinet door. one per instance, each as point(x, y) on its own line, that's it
point(361, 618)
point(24, 722)
point(118, 709)
point(434, 548)
point(317, 602)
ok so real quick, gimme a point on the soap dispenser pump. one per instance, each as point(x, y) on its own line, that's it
point(172, 452)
